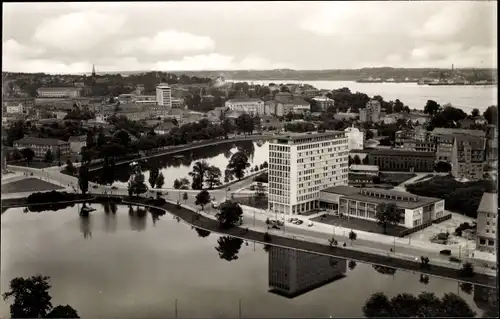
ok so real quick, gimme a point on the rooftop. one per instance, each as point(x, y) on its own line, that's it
point(395, 152)
point(58, 89)
point(458, 131)
point(292, 136)
point(237, 100)
point(372, 168)
point(382, 196)
point(489, 203)
point(39, 141)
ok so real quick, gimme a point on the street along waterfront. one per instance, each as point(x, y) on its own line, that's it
point(98, 264)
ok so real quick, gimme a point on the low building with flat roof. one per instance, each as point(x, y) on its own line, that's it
point(416, 211)
point(40, 146)
point(400, 160)
point(364, 169)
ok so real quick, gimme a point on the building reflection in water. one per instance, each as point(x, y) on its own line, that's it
point(86, 226)
point(293, 273)
point(137, 218)
point(110, 222)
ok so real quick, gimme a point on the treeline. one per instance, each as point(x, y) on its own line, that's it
point(459, 197)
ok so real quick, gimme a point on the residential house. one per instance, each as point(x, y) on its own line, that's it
point(76, 143)
point(487, 219)
point(40, 146)
point(371, 112)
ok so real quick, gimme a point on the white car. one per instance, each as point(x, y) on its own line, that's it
point(310, 224)
point(215, 204)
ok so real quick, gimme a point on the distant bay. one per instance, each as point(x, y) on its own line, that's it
point(411, 94)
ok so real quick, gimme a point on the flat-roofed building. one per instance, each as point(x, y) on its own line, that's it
point(301, 165)
point(246, 105)
point(40, 146)
point(401, 160)
point(487, 218)
point(468, 157)
point(59, 92)
point(364, 169)
point(293, 272)
point(416, 211)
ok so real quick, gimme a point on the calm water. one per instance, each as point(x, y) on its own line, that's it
point(218, 156)
point(412, 94)
point(122, 265)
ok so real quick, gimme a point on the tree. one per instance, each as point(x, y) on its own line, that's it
point(198, 172)
point(101, 139)
point(32, 299)
point(237, 164)
point(467, 270)
point(63, 312)
point(153, 175)
point(227, 126)
point(455, 306)
point(202, 198)
point(213, 175)
point(122, 138)
point(181, 183)
point(378, 305)
point(185, 197)
point(69, 167)
point(228, 247)
point(475, 112)
point(387, 214)
point(442, 167)
point(136, 184)
point(229, 215)
point(404, 305)
point(160, 180)
point(90, 139)
point(491, 114)
point(49, 157)
point(83, 179)
point(356, 160)
point(245, 123)
point(201, 232)
point(352, 236)
point(351, 264)
point(15, 132)
point(431, 107)
point(366, 160)
point(369, 135)
point(28, 154)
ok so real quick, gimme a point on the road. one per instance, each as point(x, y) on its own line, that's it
point(256, 220)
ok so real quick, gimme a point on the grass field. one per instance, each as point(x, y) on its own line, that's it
point(28, 185)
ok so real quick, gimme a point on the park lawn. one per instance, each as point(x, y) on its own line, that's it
point(28, 185)
point(359, 224)
point(250, 201)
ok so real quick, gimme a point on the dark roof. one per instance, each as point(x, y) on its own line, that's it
point(457, 131)
point(39, 141)
point(395, 152)
point(291, 136)
point(245, 100)
point(341, 190)
point(77, 138)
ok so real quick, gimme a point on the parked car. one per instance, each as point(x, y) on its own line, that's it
point(215, 204)
point(275, 227)
point(310, 224)
point(445, 252)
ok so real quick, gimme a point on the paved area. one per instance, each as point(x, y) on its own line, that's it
point(358, 224)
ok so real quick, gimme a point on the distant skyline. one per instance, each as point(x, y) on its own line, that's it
point(191, 36)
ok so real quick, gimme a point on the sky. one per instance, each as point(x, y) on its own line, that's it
point(190, 36)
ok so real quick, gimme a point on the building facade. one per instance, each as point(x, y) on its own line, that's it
point(468, 157)
point(407, 161)
point(416, 211)
point(371, 112)
point(323, 102)
point(40, 146)
point(487, 218)
point(76, 143)
point(293, 272)
point(59, 92)
point(355, 138)
point(164, 96)
point(246, 105)
point(492, 146)
point(301, 165)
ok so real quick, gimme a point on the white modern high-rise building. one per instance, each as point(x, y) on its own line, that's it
point(301, 165)
point(355, 138)
point(164, 95)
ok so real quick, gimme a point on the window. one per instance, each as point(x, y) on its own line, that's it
point(482, 242)
point(491, 242)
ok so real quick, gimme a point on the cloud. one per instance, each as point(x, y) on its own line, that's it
point(165, 42)
point(11, 48)
point(79, 31)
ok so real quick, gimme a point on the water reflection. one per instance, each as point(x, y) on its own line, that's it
point(228, 247)
point(293, 273)
point(201, 232)
point(110, 221)
point(178, 165)
point(86, 226)
point(137, 218)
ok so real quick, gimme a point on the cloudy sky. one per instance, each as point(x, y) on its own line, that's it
point(70, 37)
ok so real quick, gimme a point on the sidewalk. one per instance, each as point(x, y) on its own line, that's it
point(248, 215)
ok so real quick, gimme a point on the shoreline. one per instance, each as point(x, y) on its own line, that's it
point(200, 221)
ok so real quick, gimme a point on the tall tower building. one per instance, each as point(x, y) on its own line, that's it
point(93, 70)
point(301, 165)
point(163, 98)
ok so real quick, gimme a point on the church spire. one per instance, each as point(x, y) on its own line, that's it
point(93, 70)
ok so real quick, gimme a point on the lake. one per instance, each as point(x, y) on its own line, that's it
point(174, 167)
point(122, 262)
point(415, 96)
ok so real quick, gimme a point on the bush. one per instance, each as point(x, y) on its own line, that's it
point(467, 270)
point(455, 259)
point(446, 252)
point(52, 197)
